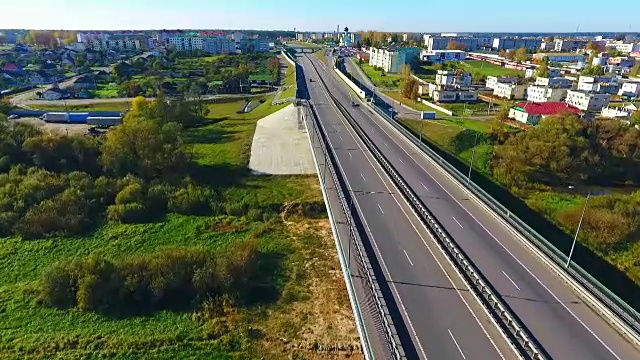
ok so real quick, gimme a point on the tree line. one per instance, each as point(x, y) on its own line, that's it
point(57, 185)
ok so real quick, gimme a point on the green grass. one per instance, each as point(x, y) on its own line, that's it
point(105, 91)
point(111, 106)
point(313, 291)
point(489, 69)
point(418, 105)
point(462, 109)
point(320, 54)
point(427, 72)
point(303, 44)
point(290, 80)
point(386, 81)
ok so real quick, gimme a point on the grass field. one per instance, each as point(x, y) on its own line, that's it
point(418, 105)
point(290, 79)
point(478, 108)
point(313, 308)
point(303, 44)
point(426, 72)
point(386, 81)
point(320, 54)
point(489, 69)
point(111, 106)
point(106, 91)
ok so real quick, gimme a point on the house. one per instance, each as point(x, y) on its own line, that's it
point(587, 101)
point(532, 113)
point(630, 89)
point(493, 81)
point(456, 79)
point(54, 93)
point(545, 94)
point(84, 82)
point(616, 112)
point(41, 77)
point(67, 62)
point(11, 67)
point(444, 95)
point(85, 94)
point(531, 72)
point(598, 84)
point(509, 91)
point(557, 82)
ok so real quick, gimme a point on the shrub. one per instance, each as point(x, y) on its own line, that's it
point(192, 200)
point(255, 215)
point(130, 213)
point(133, 193)
point(236, 209)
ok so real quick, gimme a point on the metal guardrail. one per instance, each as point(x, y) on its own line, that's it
point(390, 331)
point(519, 335)
point(617, 306)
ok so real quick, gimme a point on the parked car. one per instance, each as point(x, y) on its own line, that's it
point(12, 117)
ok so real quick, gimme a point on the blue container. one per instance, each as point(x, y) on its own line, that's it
point(78, 118)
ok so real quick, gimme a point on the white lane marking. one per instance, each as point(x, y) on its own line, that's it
point(380, 207)
point(341, 139)
point(513, 282)
point(363, 177)
point(457, 222)
point(350, 156)
point(354, 136)
point(407, 255)
point(385, 144)
point(401, 160)
point(424, 186)
point(455, 342)
point(498, 241)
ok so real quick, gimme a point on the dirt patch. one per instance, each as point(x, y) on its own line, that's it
point(64, 129)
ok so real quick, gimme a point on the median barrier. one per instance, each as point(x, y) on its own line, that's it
point(351, 84)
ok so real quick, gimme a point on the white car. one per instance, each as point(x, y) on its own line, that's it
point(12, 117)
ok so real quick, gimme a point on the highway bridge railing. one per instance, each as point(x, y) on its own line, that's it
point(615, 310)
point(511, 326)
point(337, 178)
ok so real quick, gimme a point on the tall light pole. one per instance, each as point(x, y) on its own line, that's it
point(575, 238)
point(473, 154)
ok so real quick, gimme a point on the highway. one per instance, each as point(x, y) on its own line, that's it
point(441, 315)
point(564, 326)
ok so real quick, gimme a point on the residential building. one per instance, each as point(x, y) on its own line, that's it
point(125, 43)
point(587, 101)
point(237, 36)
point(41, 77)
point(444, 95)
point(560, 57)
point(440, 56)
point(391, 60)
point(84, 82)
point(531, 72)
point(545, 94)
point(493, 81)
point(513, 43)
point(302, 36)
point(470, 43)
point(253, 45)
point(616, 112)
point(622, 61)
point(601, 60)
point(186, 43)
point(509, 91)
point(569, 45)
point(598, 84)
point(532, 113)
point(557, 82)
point(625, 47)
point(630, 89)
point(455, 79)
point(54, 93)
point(468, 96)
point(219, 45)
point(11, 67)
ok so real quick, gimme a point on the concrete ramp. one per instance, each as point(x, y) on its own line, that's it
point(281, 146)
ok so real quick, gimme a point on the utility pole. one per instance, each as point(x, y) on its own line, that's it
point(575, 238)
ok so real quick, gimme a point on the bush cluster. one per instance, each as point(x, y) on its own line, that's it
point(173, 279)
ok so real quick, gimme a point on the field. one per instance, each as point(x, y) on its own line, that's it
point(311, 313)
point(489, 69)
point(106, 91)
point(110, 106)
point(418, 105)
point(320, 54)
point(290, 80)
point(426, 72)
point(386, 81)
point(478, 108)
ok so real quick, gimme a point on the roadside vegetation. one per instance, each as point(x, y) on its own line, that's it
point(379, 77)
point(157, 242)
point(110, 106)
point(553, 166)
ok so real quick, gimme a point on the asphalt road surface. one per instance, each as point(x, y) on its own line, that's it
point(441, 315)
point(565, 326)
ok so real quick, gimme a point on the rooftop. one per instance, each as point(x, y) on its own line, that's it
point(546, 108)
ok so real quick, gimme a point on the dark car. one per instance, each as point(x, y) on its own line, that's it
point(310, 80)
point(354, 104)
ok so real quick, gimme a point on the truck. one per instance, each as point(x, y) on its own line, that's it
point(428, 115)
point(56, 117)
point(103, 121)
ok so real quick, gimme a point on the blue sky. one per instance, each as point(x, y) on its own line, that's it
point(383, 15)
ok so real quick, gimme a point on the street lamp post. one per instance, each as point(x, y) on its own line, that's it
point(421, 129)
point(575, 238)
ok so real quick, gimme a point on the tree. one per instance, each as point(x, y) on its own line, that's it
point(503, 53)
point(593, 46)
point(409, 88)
point(521, 55)
point(543, 68)
point(405, 72)
point(593, 70)
point(455, 45)
point(635, 118)
point(549, 39)
point(635, 70)
point(509, 55)
point(273, 66)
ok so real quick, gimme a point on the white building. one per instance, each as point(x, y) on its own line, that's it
point(445, 95)
point(598, 84)
point(616, 112)
point(531, 113)
point(509, 91)
point(529, 73)
point(440, 56)
point(391, 60)
point(545, 94)
point(628, 47)
point(558, 82)
point(493, 81)
point(630, 89)
point(219, 45)
point(587, 101)
point(119, 44)
point(460, 80)
point(186, 43)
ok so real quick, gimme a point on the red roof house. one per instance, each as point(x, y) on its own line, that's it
point(531, 112)
point(9, 67)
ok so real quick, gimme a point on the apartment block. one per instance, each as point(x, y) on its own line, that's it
point(510, 43)
point(557, 82)
point(470, 43)
point(569, 45)
point(493, 81)
point(545, 94)
point(391, 60)
point(587, 101)
point(509, 91)
point(630, 89)
point(459, 80)
point(440, 56)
